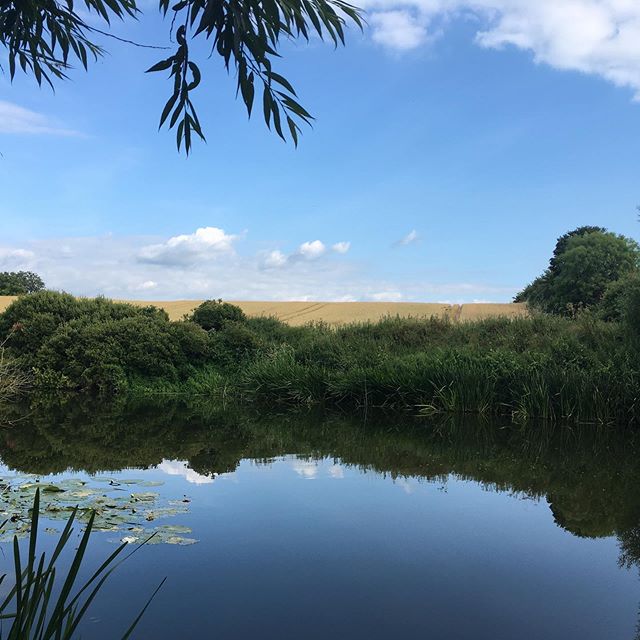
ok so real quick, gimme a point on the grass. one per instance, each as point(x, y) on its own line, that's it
point(581, 370)
point(42, 604)
point(543, 368)
point(341, 313)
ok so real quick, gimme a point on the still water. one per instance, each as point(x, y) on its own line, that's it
point(311, 527)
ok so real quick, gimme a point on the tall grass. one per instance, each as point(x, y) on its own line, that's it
point(42, 604)
point(544, 368)
point(550, 368)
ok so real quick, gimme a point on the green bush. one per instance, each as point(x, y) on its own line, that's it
point(211, 315)
point(233, 344)
point(615, 300)
point(98, 345)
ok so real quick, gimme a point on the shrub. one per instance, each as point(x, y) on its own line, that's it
point(39, 315)
point(615, 300)
point(234, 343)
point(271, 329)
point(213, 314)
point(98, 345)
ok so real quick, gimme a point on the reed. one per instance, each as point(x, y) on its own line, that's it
point(44, 602)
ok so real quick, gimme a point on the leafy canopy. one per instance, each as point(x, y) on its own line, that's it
point(43, 37)
point(16, 283)
point(583, 266)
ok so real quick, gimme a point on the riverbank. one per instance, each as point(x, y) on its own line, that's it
point(557, 369)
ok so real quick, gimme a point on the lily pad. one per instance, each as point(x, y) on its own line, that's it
point(116, 510)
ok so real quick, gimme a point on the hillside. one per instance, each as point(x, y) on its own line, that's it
point(337, 313)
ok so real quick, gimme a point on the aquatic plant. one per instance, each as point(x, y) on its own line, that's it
point(44, 602)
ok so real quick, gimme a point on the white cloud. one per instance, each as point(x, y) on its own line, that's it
point(206, 243)
point(398, 29)
point(110, 265)
point(15, 258)
point(17, 119)
point(341, 247)
point(345, 298)
point(147, 285)
point(386, 296)
point(600, 37)
point(274, 260)
point(306, 252)
point(312, 250)
point(410, 238)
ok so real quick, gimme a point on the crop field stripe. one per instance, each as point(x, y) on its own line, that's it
point(340, 313)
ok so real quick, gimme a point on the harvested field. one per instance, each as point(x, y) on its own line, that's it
point(338, 313)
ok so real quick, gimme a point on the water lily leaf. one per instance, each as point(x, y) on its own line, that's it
point(116, 510)
point(180, 540)
point(173, 528)
point(144, 497)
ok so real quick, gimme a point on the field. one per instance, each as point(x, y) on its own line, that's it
point(339, 313)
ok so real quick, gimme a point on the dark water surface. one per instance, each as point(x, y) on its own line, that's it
point(312, 527)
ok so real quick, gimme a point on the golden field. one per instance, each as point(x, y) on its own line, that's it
point(337, 313)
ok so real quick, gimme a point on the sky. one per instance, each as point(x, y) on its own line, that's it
point(453, 142)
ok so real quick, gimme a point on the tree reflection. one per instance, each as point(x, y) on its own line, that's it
point(588, 475)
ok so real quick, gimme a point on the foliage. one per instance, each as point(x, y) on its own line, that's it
point(42, 37)
point(12, 380)
point(554, 368)
point(584, 264)
point(98, 345)
point(616, 299)
point(40, 606)
point(234, 344)
point(16, 283)
point(212, 315)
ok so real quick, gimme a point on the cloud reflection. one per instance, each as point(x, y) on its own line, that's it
point(180, 468)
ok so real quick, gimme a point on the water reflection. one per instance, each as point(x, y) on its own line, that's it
point(589, 476)
point(589, 479)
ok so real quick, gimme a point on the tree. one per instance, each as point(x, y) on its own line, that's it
point(16, 283)
point(212, 315)
point(584, 264)
point(42, 37)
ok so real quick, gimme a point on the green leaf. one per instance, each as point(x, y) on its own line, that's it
point(162, 65)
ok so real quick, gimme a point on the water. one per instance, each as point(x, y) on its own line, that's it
point(315, 528)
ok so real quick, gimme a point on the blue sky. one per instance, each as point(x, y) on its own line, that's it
point(454, 141)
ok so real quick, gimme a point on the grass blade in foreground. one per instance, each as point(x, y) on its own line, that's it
point(29, 606)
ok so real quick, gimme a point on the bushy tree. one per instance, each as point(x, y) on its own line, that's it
point(584, 264)
point(99, 345)
point(212, 315)
point(16, 283)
